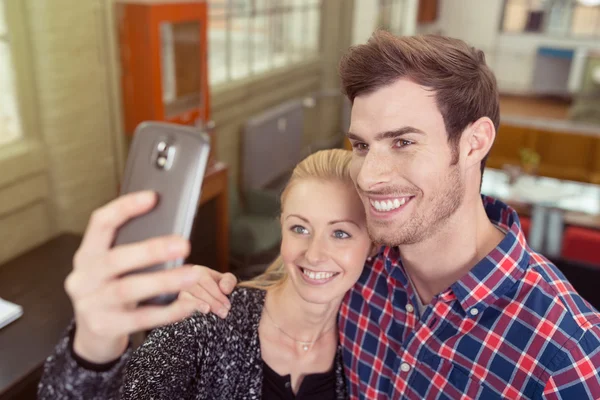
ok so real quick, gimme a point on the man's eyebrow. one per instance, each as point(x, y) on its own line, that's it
point(405, 130)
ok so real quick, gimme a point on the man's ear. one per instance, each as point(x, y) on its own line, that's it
point(479, 139)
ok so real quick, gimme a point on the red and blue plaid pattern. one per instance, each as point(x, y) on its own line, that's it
point(513, 328)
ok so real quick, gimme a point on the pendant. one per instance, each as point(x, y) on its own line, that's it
point(305, 347)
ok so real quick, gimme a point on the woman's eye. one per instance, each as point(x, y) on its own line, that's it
point(340, 235)
point(299, 229)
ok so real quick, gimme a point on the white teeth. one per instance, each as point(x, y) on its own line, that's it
point(388, 205)
point(317, 275)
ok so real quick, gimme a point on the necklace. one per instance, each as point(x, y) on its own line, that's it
point(305, 345)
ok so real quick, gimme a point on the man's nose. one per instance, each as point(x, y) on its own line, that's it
point(373, 171)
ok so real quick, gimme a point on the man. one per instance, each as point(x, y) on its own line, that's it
point(455, 304)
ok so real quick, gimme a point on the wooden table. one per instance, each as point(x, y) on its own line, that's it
point(35, 282)
point(215, 187)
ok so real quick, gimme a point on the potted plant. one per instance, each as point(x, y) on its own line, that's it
point(530, 161)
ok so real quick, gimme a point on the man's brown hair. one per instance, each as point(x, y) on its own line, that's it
point(464, 86)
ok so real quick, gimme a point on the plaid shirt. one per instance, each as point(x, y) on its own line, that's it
point(512, 328)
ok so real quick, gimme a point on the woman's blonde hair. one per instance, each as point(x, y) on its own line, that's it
point(326, 165)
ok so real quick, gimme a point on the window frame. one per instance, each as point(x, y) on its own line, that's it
point(545, 31)
point(230, 13)
point(24, 155)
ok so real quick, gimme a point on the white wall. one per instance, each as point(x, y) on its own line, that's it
point(511, 56)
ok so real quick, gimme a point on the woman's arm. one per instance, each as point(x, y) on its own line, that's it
point(166, 365)
point(104, 294)
point(65, 378)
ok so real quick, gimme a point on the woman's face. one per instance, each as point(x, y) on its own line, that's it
point(325, 239)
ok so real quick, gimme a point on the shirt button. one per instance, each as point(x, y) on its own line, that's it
point(405, 367)
point(474, 311)
point(409, 308)
point(288, 385)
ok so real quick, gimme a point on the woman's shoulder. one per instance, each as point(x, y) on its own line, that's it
point(245, 312)
point(251, 297)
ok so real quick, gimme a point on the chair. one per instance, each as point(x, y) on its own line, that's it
point(582, 245)
point(254, 227)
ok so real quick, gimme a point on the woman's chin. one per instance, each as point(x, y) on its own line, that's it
point(319, 294)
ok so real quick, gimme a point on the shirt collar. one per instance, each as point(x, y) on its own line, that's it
point(491, 277)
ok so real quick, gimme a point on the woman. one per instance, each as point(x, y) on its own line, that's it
point(280, 338)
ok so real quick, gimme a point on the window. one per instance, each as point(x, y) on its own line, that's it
point(392, 15)
point(563, 18)
point(250, 37)
point(10, 128)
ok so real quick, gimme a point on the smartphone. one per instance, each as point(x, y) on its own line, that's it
point(170, 160)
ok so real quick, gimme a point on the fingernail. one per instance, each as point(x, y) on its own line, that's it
point(204, 309)
point(228, 306)
point(176, 247)
point(222, 313)
point(145, 197)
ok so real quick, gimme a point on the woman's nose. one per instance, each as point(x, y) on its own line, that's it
point(316, 252)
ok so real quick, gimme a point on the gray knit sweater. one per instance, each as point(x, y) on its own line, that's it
point(201, 357)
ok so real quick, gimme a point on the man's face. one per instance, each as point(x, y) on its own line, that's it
point(404, 168)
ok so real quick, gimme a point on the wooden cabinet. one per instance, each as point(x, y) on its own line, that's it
point(510, 140)
point(563, 154)
point(596, 163)
point(163, 50)
point(428, 11)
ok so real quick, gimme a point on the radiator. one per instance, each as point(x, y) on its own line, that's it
point(272, 144)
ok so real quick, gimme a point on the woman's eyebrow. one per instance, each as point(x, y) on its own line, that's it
point(337, 221)
point(298, 216)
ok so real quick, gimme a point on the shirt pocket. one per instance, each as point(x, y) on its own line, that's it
point(443, 379)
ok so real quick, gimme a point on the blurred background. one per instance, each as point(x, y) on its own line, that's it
point(260, 76)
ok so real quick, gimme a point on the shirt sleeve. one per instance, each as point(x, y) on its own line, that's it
point(65, 378)
point(578, 376)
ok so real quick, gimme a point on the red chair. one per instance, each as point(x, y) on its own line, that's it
point(525, 225)
point(581, 244)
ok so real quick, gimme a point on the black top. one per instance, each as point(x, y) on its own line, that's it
point(313, 386)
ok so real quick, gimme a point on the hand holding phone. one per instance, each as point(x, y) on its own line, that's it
point(170, 160)
point(104, 301)
point(145, 230)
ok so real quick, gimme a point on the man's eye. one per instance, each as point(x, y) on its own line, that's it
point(402, 143)
point(299, 229)
point(360, 146)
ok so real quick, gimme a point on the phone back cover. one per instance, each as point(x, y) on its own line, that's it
point(178, 187)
